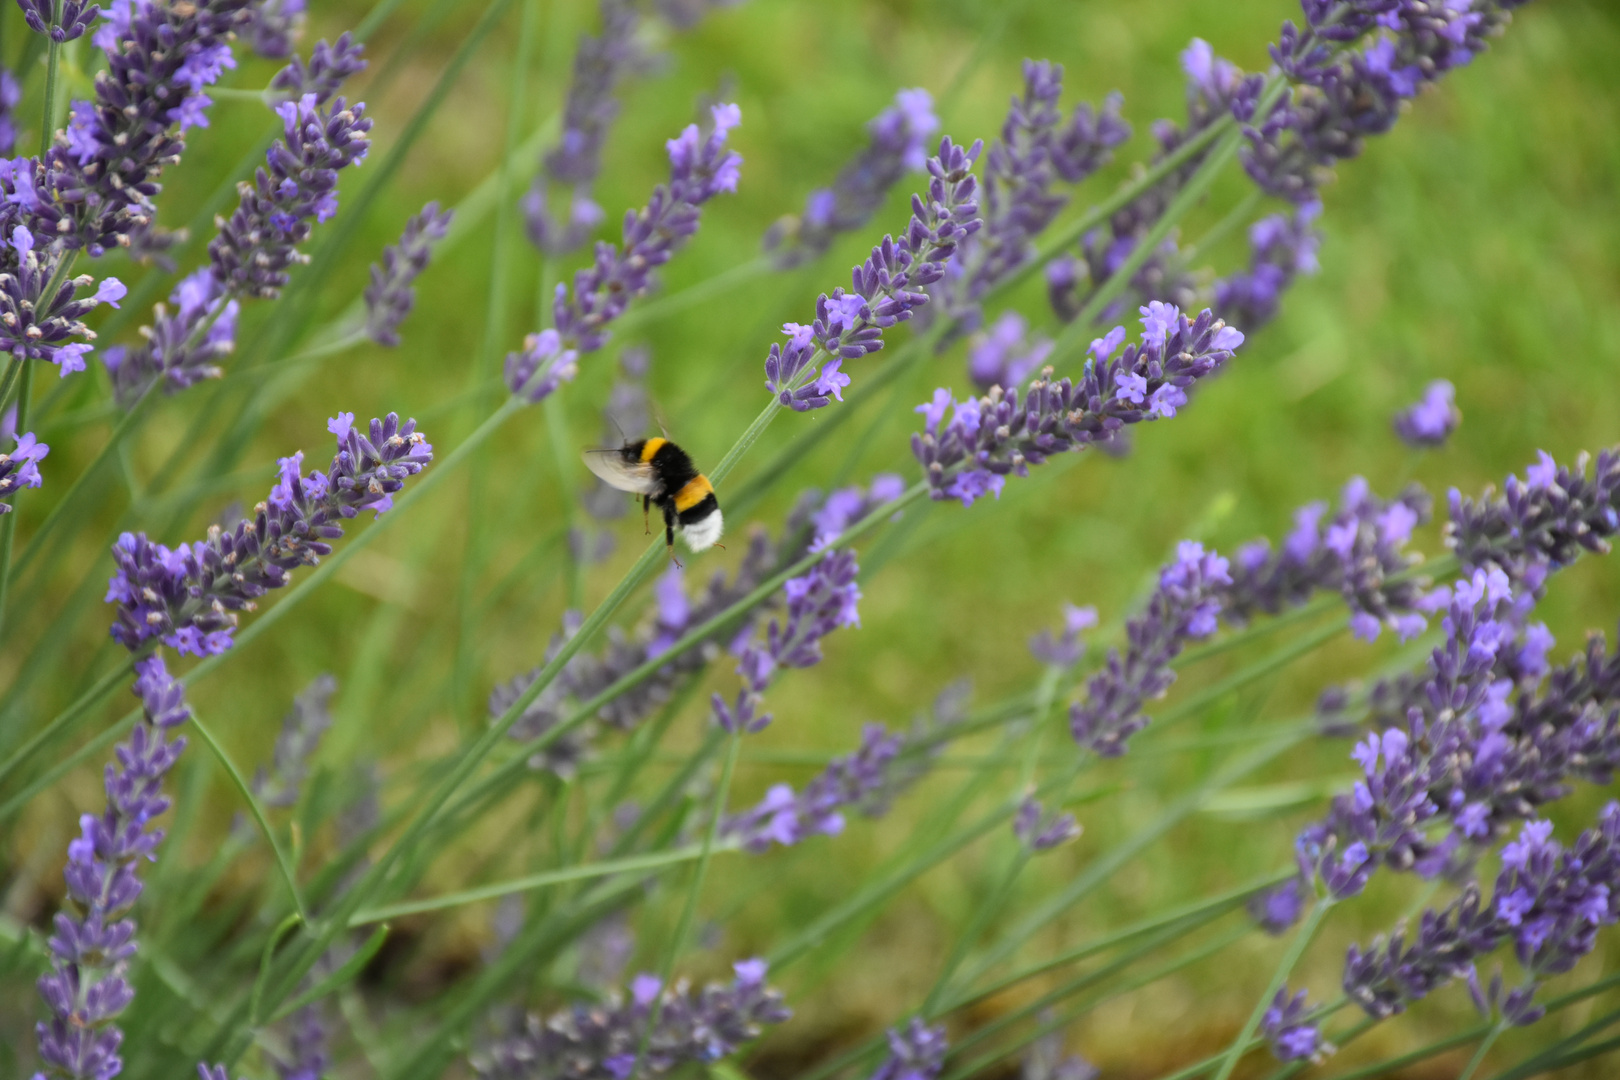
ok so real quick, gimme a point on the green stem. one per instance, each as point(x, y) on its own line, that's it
point(9, 383)
point(1296, 949)
point(257, 811)
point(1485, 1045)
point(53, 51)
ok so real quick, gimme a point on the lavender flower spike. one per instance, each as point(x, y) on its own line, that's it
point(1282, 246)
point(301, 732)
point(180, 349)
point(859, 779)
point(329, 67)
point(276, 25)
point(38, 327)
point(1430, 421)
point(86, 987)
point(20, 468)
point(188, 597)
point(1041, 831)
point(1284, 1026)
point(1064, 650)
point(700, 168)
point(75, 18)
point(916, 1052)
point(390, 297)
point(10, 97)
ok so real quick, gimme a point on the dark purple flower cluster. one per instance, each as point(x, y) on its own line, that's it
point(700, 168)
point(275, 27)
point(988, 438)
point(1286, 1026)
point(916, 1052)
point(899, 139)
point(1430, 421)
point(390, 297)
point(558, 208)
point(1360, 552)
point(20, 468)
point(68, 24)
point(1186, 605)
point(1064, 649)
point(820, 601)
point(38, 327)
point(259, 241)
point(301, 731)
point(859, 779)
point(1548, 901)
point(1003, 356)
point(188, 597)
point(180, 349)
point(1339, 97)
point(884, 289)
point(612, 1041)
point(1545, 520)
point(1281, 247)
point(87, 987)
point(329, 67)
point(1040, 830)
point(1037, 148)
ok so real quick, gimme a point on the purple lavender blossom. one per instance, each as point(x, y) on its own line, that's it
point(558, 208)
point(1544, 520)
point(276, 25)
point(860, 779)
point(1285, 1027)
point(87, 988)
point(259, 241)
point(820, 601)
point(847, 506)
point(1278, 908)
point(67, 25)
point(301, 731)
point(1039, 830)
point(1184, 606)
point(390, 297)
point(899, 137)
point(1064, 649)
point(602, 1042)
point(1281, 247)
point(329, 67)
point(989, 438)
point(38, 327)
point(535, 373)
point(850, 325)
point(188, 597)
point(1002, 356)
point(20, 468)
point(1431, 420)
point(307, 1057)
point(180, 349)
point(916, 1052)
point(700, 168)
point(10, 96)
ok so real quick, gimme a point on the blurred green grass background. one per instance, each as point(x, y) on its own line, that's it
point(1479, 242)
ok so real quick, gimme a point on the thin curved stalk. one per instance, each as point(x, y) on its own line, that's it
point(1296, 949)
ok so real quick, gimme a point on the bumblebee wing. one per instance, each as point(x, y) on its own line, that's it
point(634, 476)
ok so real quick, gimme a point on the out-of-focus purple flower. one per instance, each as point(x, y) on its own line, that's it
point(820, 601)
point(39, 327)
point(307, 1057)
point(1285, 1027)
point(853, 780)
point(1064, 649)
point(301, 731)
point(1281, 246)
point(916, 1052)
point(1041, 831)
point(607, 1041)
point(180, 349)
point(70, 23)
point(884, 289)
point(259, 241)
point(1002, 356)
point(701, 167)
point(1277, 908)
point(390, 297)
point(1184, 606)
point(1003, 434)
point(535, 373)
point(188, 597)
point(87, 986)
point(10, 96)
point(20, 468)
point(899, 137)
point(1045, 1060)
point(329, 67)
point(1431, 420)
point(276, 26)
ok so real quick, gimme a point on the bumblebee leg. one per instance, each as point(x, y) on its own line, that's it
point(669, 535)
point(646, 506)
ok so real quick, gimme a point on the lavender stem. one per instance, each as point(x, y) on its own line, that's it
point(47, 124)
point(1296, 949)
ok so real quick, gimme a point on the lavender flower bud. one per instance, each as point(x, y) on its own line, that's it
point(916, 1052)
point(390, 297)
point(604, 1042)
point(1432, 419)
point(188, 597)
point(276, 25)
point(74, 19)
point(20, 468)
point(259, 242)
point(301, 732)
point(899, 135)
point(38, 327)
point(1041, 831)
point(1184, 606)
point(180, 349)
point(87, 986)
point(1281, 247)
point(1292, 1038)
point(329, 67)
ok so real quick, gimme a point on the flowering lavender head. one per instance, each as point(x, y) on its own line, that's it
point(1039, 830)
point(1544, 520)
point(700, 167)
point(535, 373)
point(20, 468)
point(1285, 1027)
point(276, 25)
point(1064, 649)
point(87, 986)
point(301, 732)
point(329, 67)
point(899, 137)
point(1281, 247)
point(39, 327)
point(181, 348)
point(856, 780)
point(188, 597)
point(1002, 356)
point(1385, 977)
point(1551, 901)
point(1431, 420)
point(916, 1052)
point(73, 20)
point(259, 242)
point(390, 297)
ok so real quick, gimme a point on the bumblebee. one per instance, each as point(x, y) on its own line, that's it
point(664, 476)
